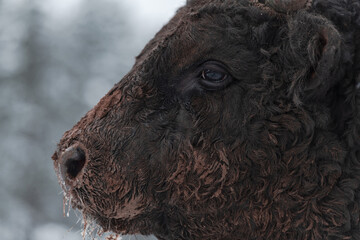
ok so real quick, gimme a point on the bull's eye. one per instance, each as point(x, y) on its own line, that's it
point(211, 75)
point(214, 76)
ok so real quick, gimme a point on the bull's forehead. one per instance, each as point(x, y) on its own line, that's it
point(212, 30)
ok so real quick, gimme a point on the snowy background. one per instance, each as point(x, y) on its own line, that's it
point(57, 58)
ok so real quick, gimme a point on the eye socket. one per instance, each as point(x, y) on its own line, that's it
point(214, 76)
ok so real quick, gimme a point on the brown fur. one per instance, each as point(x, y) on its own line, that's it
point(272, 154)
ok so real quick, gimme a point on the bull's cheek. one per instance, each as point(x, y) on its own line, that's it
point(129, 210)
point(202, 178)
point(106, 202)
point(111, 209)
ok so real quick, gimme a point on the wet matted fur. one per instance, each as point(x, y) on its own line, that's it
point(237, 121)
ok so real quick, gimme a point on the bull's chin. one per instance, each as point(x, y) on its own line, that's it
point(114, 225)
point(96, 223)
point(94, 220)
point(91, 219)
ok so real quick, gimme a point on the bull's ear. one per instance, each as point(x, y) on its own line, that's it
point(316, 47)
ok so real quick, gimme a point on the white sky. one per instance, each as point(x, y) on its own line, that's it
point(147, 16)
point(60, 8)
point(156, 10)
point(153, 11)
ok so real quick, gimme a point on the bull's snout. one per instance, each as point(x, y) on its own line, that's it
point(72, 163)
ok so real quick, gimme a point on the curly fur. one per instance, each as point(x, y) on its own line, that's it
point(274, 155)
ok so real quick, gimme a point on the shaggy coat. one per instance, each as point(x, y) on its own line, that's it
point(239, 120)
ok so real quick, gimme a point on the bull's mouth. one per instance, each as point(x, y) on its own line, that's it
point(95, 221)
point(93, 218)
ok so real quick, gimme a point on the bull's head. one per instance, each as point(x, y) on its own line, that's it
point(210, 133)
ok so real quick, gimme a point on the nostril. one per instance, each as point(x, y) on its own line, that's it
point(76, 163)
point(73, 161)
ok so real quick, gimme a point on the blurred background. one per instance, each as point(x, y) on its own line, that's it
point(57, 59)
